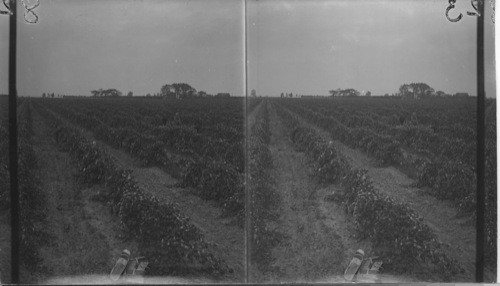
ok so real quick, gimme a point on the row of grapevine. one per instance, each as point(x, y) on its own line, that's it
point(440, 114)
point(223, 142)
point(445, 132)
point(169, 240)
point(264, 199)
point(214, 168)
point(418, 138)
point(383, 148)
point(213, 126)
point(418, 130)
point(31, 199)
point(145, 114)
point(394, 228)
point(449, 179)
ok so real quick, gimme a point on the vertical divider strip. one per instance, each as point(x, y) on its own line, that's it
point(247, 133)
point(14, 190)
point(480, 205)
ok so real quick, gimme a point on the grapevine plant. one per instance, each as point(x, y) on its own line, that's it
point(31, 199)
point(212, 164)
point(169, 240)
point(393, 227)
point(264, 198)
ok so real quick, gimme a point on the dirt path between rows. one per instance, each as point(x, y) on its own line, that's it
point(441, 216)
point(319, 242)
point(226, 238)
point(83, 236)
point(250, 117)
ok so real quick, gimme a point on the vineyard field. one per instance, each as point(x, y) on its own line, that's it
point(392, 176)
point(246, 142)
point(265, 190)
point(163, 179)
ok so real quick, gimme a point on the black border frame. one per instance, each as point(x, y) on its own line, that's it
point(14, 190)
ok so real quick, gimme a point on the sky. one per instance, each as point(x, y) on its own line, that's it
point(311, 47)
point(305, 47)
point(139, 46)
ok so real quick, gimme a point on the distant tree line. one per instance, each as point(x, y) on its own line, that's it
point(422, 90)
point(175, 90)
point(112, 92)
point(51, 95)
point(417, 90)
point(184, 90)
point(349, 92)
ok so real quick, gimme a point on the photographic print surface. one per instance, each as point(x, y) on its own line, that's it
point(135, 113)
point(229, 141)
point(368, 139)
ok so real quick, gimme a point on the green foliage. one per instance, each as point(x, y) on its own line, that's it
point(264, 199)
point(215, 154)
point(416, 90)
point(169, 239)
point(328, 166)
point(349, 92)
point(444, 152)
point(178, 90)
point(31, 200)
point(112, 92)
point(451, 180)
point(391, 226)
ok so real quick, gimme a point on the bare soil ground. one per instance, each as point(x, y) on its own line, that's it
point(457, 233)
point(250, 117)
point(84, 238)
point(226, 238)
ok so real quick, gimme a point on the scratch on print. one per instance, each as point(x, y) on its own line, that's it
point(29, 14)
